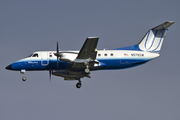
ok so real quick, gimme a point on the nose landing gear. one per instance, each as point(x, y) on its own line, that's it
point(23, 72)
point(78, 85)
point(24, 78)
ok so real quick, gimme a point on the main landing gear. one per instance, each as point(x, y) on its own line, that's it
point(87, 71)
point(78, 85)
point(23, 72)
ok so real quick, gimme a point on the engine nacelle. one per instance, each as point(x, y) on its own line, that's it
point(68, 56)
point(69, 75)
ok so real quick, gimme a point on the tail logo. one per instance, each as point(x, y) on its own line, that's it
point(152, 41)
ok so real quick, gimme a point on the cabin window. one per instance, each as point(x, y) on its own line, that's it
point(35, 55)
point(105, 54)
point(50, 55)
point(111, 54)
point(99, 54)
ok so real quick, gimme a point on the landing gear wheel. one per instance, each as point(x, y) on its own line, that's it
point(78, 85)
point(24, 78)
point(86, 70)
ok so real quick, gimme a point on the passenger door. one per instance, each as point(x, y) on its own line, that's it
point(44, 58)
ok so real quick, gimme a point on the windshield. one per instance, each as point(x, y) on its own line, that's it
point(35, 55)
point(29, 55)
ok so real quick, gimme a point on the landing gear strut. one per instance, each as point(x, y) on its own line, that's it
point(78, 85)
point(23, 72)
point(87, 67)
point(87, 70)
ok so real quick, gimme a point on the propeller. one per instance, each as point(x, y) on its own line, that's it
point(50, 75)
point(57, 52)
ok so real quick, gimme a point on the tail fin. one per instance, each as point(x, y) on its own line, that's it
point(153, 39)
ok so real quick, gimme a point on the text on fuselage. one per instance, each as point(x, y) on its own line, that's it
point(136, 54)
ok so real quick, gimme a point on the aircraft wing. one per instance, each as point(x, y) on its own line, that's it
point(87, 55)
point(88, 50)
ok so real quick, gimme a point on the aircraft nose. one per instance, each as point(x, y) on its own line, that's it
point(9, 67)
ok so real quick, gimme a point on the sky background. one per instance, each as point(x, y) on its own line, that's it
point(147, 92)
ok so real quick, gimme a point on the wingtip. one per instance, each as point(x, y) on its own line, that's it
point(92, 37)
point(171, 22)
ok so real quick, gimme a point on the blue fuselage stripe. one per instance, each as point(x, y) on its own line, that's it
point(107, 64)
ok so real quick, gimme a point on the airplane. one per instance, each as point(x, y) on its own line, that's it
point(74, 65)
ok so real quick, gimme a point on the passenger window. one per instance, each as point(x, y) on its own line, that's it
point(99, 54)
point(111, 54)
point(105, 54)
point(35, 55)
point(50, 55)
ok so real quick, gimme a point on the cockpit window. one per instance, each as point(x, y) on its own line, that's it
point(30, 55)
point(35, 55)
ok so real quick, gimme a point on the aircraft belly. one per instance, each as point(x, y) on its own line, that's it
point(121, 63)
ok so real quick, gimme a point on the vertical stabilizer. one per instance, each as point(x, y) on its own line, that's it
point(153, 40)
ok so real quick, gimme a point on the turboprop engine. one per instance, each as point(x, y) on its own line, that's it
point(67, 56)
point(69, 75)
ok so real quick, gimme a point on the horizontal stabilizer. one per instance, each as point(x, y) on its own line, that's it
point(164, 26)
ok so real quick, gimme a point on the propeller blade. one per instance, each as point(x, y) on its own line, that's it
point(50, 75)
point(57, 62)
point(57, 51)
